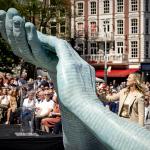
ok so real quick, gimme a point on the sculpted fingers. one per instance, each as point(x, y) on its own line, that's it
point(9, 30)
point(21, 39)
point(2, 24)
point(44, 57)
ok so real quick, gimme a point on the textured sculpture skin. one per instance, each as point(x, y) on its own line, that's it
point(87, 125)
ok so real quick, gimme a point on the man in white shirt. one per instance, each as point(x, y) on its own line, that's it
point(40, 98)
point(27, 112)
point(44, 108)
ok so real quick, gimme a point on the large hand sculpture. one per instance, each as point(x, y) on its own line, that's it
point(87, 125)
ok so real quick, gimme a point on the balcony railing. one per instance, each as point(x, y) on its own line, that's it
point(111, 58)
point(102, 36)
point(95, 35)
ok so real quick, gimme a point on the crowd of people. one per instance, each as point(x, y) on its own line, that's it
point(34, 103)
point(31, 103)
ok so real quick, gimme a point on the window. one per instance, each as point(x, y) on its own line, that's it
point(80, 9)
point(147, 49)
point(80, 49)
point(120, 47)
point(93, 48)
point(146, 26)
point(93, 28)
point(80, 29)
point(119, 5)
point(119, 26)
point(106, 26)
point(134, 5)
point(62, 27)
point(134, 49)
point(53, 28)
point(146, 5)
point(93, 8)
point(106, 6)
point(134, 26)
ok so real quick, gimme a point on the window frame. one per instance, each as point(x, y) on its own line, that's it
point(146, 26)
point(120, 27)
point(62, 27)
point(134, 25)
point(93, 11)
point(80, 30)
point(93, 49)
point(147, 44)
point(53, 27)
point(134, 5)
point(120, 6)
point(134, 49)
point(106, 26)
point(147, 5)
point(106, 6)
point(93, 33)
point(80, 11)
point(120, 47)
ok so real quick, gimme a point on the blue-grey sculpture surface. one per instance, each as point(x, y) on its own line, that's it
point(87, 125)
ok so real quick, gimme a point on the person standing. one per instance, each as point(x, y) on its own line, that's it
point(131, 99)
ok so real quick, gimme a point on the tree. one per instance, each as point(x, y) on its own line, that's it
point(7, 59)
point(43, 14)
point(5, 4)
point(46, 13)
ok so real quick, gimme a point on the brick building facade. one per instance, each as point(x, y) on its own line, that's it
point(120, 27)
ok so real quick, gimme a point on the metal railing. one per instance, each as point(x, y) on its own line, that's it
point(114, 58)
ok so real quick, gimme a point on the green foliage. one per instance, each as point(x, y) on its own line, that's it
point(41, 12)
point(5, 4)
point(7, 59)
point(37, 12)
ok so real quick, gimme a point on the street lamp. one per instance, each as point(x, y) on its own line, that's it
point(105, 54)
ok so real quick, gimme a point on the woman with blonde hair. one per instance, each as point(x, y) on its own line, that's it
point(131, 99)
point(12, 104)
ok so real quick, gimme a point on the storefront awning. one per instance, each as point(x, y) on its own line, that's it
point(116, 73)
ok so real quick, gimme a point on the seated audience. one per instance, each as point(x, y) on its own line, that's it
point(44, 108)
